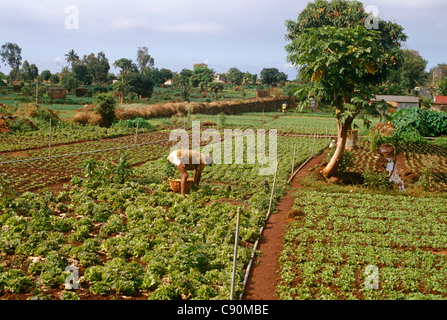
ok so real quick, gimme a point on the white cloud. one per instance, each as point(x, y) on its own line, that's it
point(127, 23)
point(191, 27)
point(409, 9)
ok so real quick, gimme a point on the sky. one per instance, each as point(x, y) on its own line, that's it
point(246, 34)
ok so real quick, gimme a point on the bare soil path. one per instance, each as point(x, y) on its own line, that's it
point(263, 279)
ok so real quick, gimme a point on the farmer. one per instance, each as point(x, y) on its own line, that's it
point(185, 159)
point(284, 108)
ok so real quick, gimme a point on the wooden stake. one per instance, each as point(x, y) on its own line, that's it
point(273, 189)
point(236, 241)
point(49, 146)
point(136, 132)
point(293, 161)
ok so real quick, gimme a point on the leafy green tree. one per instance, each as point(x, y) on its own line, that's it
point(98, 66)
point(412, 70)
point(68, 81)
point(82, 73)
point(235, 76)
point(54, 78)
point(29, 72)
point(393, 84)
point(341, 61)
point(120, 88)
point(272, 76)
point(141, 84)
point(202, 76)
point(183, 80)
point(249, 78)
point(126, 66)
point(2, 77)
point(269, 76)
point(185, 75)
point(11, 54)
point(215, 88)
point(144, 59)
point(408, 76)
point(45, 75)
point(155, 75)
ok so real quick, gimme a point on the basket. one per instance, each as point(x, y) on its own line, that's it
point(175, 184)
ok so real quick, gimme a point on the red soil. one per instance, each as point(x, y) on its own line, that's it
point(263, 279)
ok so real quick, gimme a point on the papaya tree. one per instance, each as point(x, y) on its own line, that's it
point(341, 61)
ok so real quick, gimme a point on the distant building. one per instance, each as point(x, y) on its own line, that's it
point(399, 102)
point(218, 79)
point(261, 93)
point(57, 93)
point(440, 103)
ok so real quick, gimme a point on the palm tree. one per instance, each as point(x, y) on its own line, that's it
point(72, 58)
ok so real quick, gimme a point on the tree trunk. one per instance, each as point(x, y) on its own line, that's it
point(332, 167)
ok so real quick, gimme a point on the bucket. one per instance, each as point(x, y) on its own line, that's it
point(351, 142)
point(175, 184)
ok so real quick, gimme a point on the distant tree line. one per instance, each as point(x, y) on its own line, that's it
point(137, 77)
point(140, 76)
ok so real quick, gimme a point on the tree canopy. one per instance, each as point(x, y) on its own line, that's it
point(202, 76)
point(408, 76)
point(272, 76)
point(341, 61)
point(11, 54)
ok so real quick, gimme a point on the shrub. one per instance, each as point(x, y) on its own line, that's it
point(376, 180)
point(105, 106)
point(133, 123)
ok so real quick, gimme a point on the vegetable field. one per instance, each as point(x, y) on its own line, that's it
point(117, 232)
point(340, 243)
point(94, 218)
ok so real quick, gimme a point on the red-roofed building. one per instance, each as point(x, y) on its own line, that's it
point(440, 103)
point(440, 99)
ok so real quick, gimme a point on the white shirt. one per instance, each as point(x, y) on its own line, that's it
point(186, 156)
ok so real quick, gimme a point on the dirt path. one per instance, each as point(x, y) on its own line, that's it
point(263, 279)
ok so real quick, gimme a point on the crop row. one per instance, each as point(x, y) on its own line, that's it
point(338, 237)
point(292, 122)
point(29, 175)
point(60, 135)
